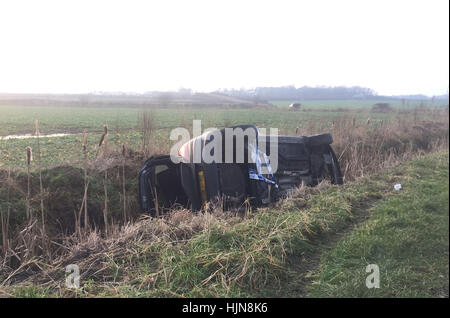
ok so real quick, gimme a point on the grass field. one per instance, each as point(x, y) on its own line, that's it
point(20, 119)
point(125, 126)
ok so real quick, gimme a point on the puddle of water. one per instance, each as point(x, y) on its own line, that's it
point(32, 136)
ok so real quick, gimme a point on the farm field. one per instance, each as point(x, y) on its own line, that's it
point(53, 119)
point(125, 126)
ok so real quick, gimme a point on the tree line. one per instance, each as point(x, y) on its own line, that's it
point(301, 93)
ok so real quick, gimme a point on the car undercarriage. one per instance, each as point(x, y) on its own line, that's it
point(257, 171)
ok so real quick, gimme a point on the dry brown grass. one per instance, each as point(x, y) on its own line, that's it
point(364, 147)
point(93, 250)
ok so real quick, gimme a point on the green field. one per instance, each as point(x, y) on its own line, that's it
point(53, 119)
point(124, 126)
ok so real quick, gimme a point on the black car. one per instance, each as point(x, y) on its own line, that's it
point(240, 171)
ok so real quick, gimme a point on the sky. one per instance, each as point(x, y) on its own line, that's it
point(394, 47)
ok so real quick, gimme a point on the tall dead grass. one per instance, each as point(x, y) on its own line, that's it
point(367, 146)
point(147, 124)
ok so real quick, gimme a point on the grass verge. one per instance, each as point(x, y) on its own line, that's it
point(407, 236)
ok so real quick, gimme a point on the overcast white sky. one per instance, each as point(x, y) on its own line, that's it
point(394, 47)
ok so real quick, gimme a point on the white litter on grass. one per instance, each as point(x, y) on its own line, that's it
point(397, 187)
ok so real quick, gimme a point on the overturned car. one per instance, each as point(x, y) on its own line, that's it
point(235, 166)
